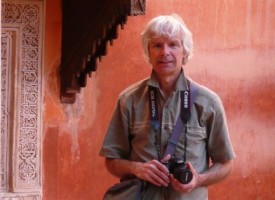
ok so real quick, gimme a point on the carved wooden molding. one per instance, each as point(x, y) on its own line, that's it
point(138, 7)
point(85, 37)
point(21, 85)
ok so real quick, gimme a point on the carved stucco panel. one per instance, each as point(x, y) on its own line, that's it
point(6, 41)
point(21, 97)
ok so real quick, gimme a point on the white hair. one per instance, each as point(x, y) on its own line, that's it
point(168, 26)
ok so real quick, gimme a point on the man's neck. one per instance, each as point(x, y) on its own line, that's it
point(167, 83)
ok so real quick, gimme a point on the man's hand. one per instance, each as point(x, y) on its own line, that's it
point(184, 188)
point(216, 173)
point(154, 172)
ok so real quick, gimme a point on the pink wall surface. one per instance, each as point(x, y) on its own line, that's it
point(234, 56)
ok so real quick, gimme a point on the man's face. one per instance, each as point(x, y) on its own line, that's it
point(166, 54)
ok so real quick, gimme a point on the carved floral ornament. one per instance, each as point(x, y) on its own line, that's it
point(21, 41)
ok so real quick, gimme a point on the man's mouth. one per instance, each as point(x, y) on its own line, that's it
point(165, 61)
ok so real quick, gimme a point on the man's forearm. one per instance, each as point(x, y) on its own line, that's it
point(152, 171)
point(120, 167)
point(216, 173)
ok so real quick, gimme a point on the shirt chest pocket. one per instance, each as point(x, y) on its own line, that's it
point(143, 139)
point(196, 143)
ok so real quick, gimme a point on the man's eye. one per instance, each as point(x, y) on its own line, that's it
point(156, 45)
point(173, 45)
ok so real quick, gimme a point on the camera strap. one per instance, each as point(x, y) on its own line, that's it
point(187, 99)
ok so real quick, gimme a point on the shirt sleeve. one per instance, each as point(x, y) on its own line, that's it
point(219, 144)
point(116, 143)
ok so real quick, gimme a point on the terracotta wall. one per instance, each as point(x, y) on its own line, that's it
point(234, 56)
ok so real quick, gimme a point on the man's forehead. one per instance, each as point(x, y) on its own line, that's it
point(166, 38)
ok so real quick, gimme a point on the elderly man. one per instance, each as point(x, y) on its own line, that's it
point(136, 141)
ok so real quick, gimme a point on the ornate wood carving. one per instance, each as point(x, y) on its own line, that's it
point(21, 85)
point(138, 7)
point(87, 27)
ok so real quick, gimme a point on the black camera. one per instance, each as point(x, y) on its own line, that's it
point(180, 171)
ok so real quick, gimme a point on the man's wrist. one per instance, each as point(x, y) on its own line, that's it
point(200, 180)
point(133, 168)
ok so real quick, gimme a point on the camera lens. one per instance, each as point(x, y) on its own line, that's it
point(183, 175)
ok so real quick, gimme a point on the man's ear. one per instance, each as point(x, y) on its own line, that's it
point(185, 60)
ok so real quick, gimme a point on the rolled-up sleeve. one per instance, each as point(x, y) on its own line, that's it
point(116, 142)
point(219, 144)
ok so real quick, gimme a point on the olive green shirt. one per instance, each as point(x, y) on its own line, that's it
point(130, 135)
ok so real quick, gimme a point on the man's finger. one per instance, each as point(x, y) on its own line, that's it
point(166, 158)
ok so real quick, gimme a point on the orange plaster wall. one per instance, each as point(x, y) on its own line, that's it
point(234, 56)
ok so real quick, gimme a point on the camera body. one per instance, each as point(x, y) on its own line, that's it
point(180, 171)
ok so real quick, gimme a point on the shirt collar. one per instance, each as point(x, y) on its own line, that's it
point(181, 83)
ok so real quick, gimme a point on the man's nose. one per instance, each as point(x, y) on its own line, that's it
point(165, 50)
